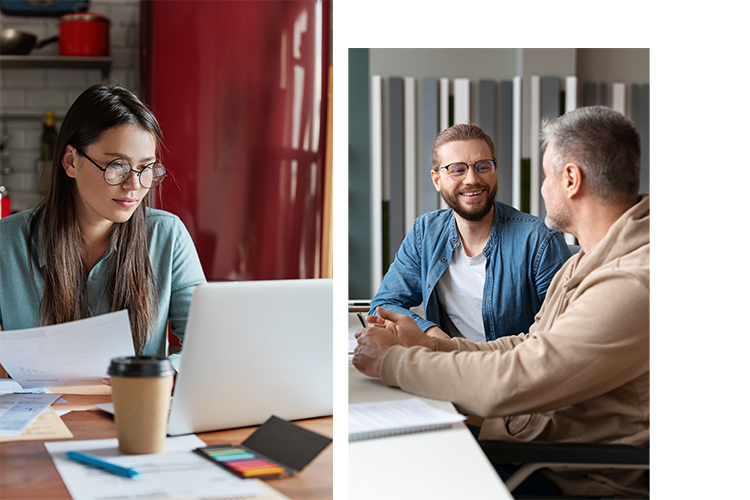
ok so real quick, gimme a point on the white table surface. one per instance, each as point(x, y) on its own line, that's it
point(443, 464)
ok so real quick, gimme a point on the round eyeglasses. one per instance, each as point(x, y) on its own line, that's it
point(458, 171)
point(117, 171)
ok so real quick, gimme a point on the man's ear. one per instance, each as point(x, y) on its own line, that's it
point(572, 178)
point(67, 161)
point(436, 179)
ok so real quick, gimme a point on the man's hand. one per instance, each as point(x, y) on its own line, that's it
point(372, 344)
point(403, 327)
point(435, 331)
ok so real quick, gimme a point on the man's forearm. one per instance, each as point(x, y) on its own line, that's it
point(435, 331)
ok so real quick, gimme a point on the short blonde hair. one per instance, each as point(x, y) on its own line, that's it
point(459, 132)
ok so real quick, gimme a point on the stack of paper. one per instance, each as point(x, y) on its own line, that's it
point(17, 411)
point(24, 416)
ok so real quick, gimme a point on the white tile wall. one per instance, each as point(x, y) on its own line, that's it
point(25, 94)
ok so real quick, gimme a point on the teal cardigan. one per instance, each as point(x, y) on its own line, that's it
point(174, 261)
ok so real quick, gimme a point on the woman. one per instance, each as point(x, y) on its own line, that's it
point(93, 245)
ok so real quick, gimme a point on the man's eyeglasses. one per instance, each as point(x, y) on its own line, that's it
point(458, 171)
point(117, 171)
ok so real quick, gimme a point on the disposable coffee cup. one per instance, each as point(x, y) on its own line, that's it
point(141, 391)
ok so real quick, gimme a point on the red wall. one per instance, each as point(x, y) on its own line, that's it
point(239, 88)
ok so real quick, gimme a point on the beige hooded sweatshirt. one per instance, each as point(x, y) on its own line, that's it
point(581, 374)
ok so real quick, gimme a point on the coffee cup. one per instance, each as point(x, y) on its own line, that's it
point(141, 390)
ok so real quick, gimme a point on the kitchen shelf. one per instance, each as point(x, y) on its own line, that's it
point(103, 64)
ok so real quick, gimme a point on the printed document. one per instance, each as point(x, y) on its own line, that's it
point(175, 473)
point(17, 411)
point(74, 353)
point(48, 425)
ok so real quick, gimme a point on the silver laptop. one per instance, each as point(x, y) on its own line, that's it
point(254, 349)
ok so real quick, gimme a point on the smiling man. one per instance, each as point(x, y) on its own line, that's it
point(481, 268)
point(581, 373)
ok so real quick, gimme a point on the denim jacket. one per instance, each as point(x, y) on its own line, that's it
point(522, 254)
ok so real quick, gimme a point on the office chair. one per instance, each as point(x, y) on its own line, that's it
point(580, 456)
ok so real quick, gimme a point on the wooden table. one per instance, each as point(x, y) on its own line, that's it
point(27, 471)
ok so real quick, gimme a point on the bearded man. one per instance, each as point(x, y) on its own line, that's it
point(481, 268)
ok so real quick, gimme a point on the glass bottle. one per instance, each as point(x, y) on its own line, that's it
point(49, 136)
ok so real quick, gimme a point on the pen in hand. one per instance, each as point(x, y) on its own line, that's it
point(362, 320)
point(85, 458)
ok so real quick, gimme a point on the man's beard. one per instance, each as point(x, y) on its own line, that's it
point(477, 213)
point(560, 221)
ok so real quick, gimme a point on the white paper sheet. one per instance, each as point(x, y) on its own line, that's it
point(70, 354)
point(175, 473)
point(17, 411)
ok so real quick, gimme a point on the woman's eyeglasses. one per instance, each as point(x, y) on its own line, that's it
point(117, 171)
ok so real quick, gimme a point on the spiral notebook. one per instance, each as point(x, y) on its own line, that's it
point(393, 418)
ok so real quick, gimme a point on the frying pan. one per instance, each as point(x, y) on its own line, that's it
point(19, 43)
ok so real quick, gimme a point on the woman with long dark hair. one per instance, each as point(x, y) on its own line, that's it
point(93, 245)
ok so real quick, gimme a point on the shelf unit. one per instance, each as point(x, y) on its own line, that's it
point(103, 64)
point(23, 199)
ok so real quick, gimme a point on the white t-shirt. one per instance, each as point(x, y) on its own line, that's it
point(459, 292)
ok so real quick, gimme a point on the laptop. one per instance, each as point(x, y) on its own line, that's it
point(253, 349)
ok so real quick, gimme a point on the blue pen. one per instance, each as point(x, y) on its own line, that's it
point(85, 458)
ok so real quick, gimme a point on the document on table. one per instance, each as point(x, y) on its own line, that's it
point(48, 425)
point(391, 418)
point(74, 353)
point(352, 346)
point(17, 411)
point(175, 473)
